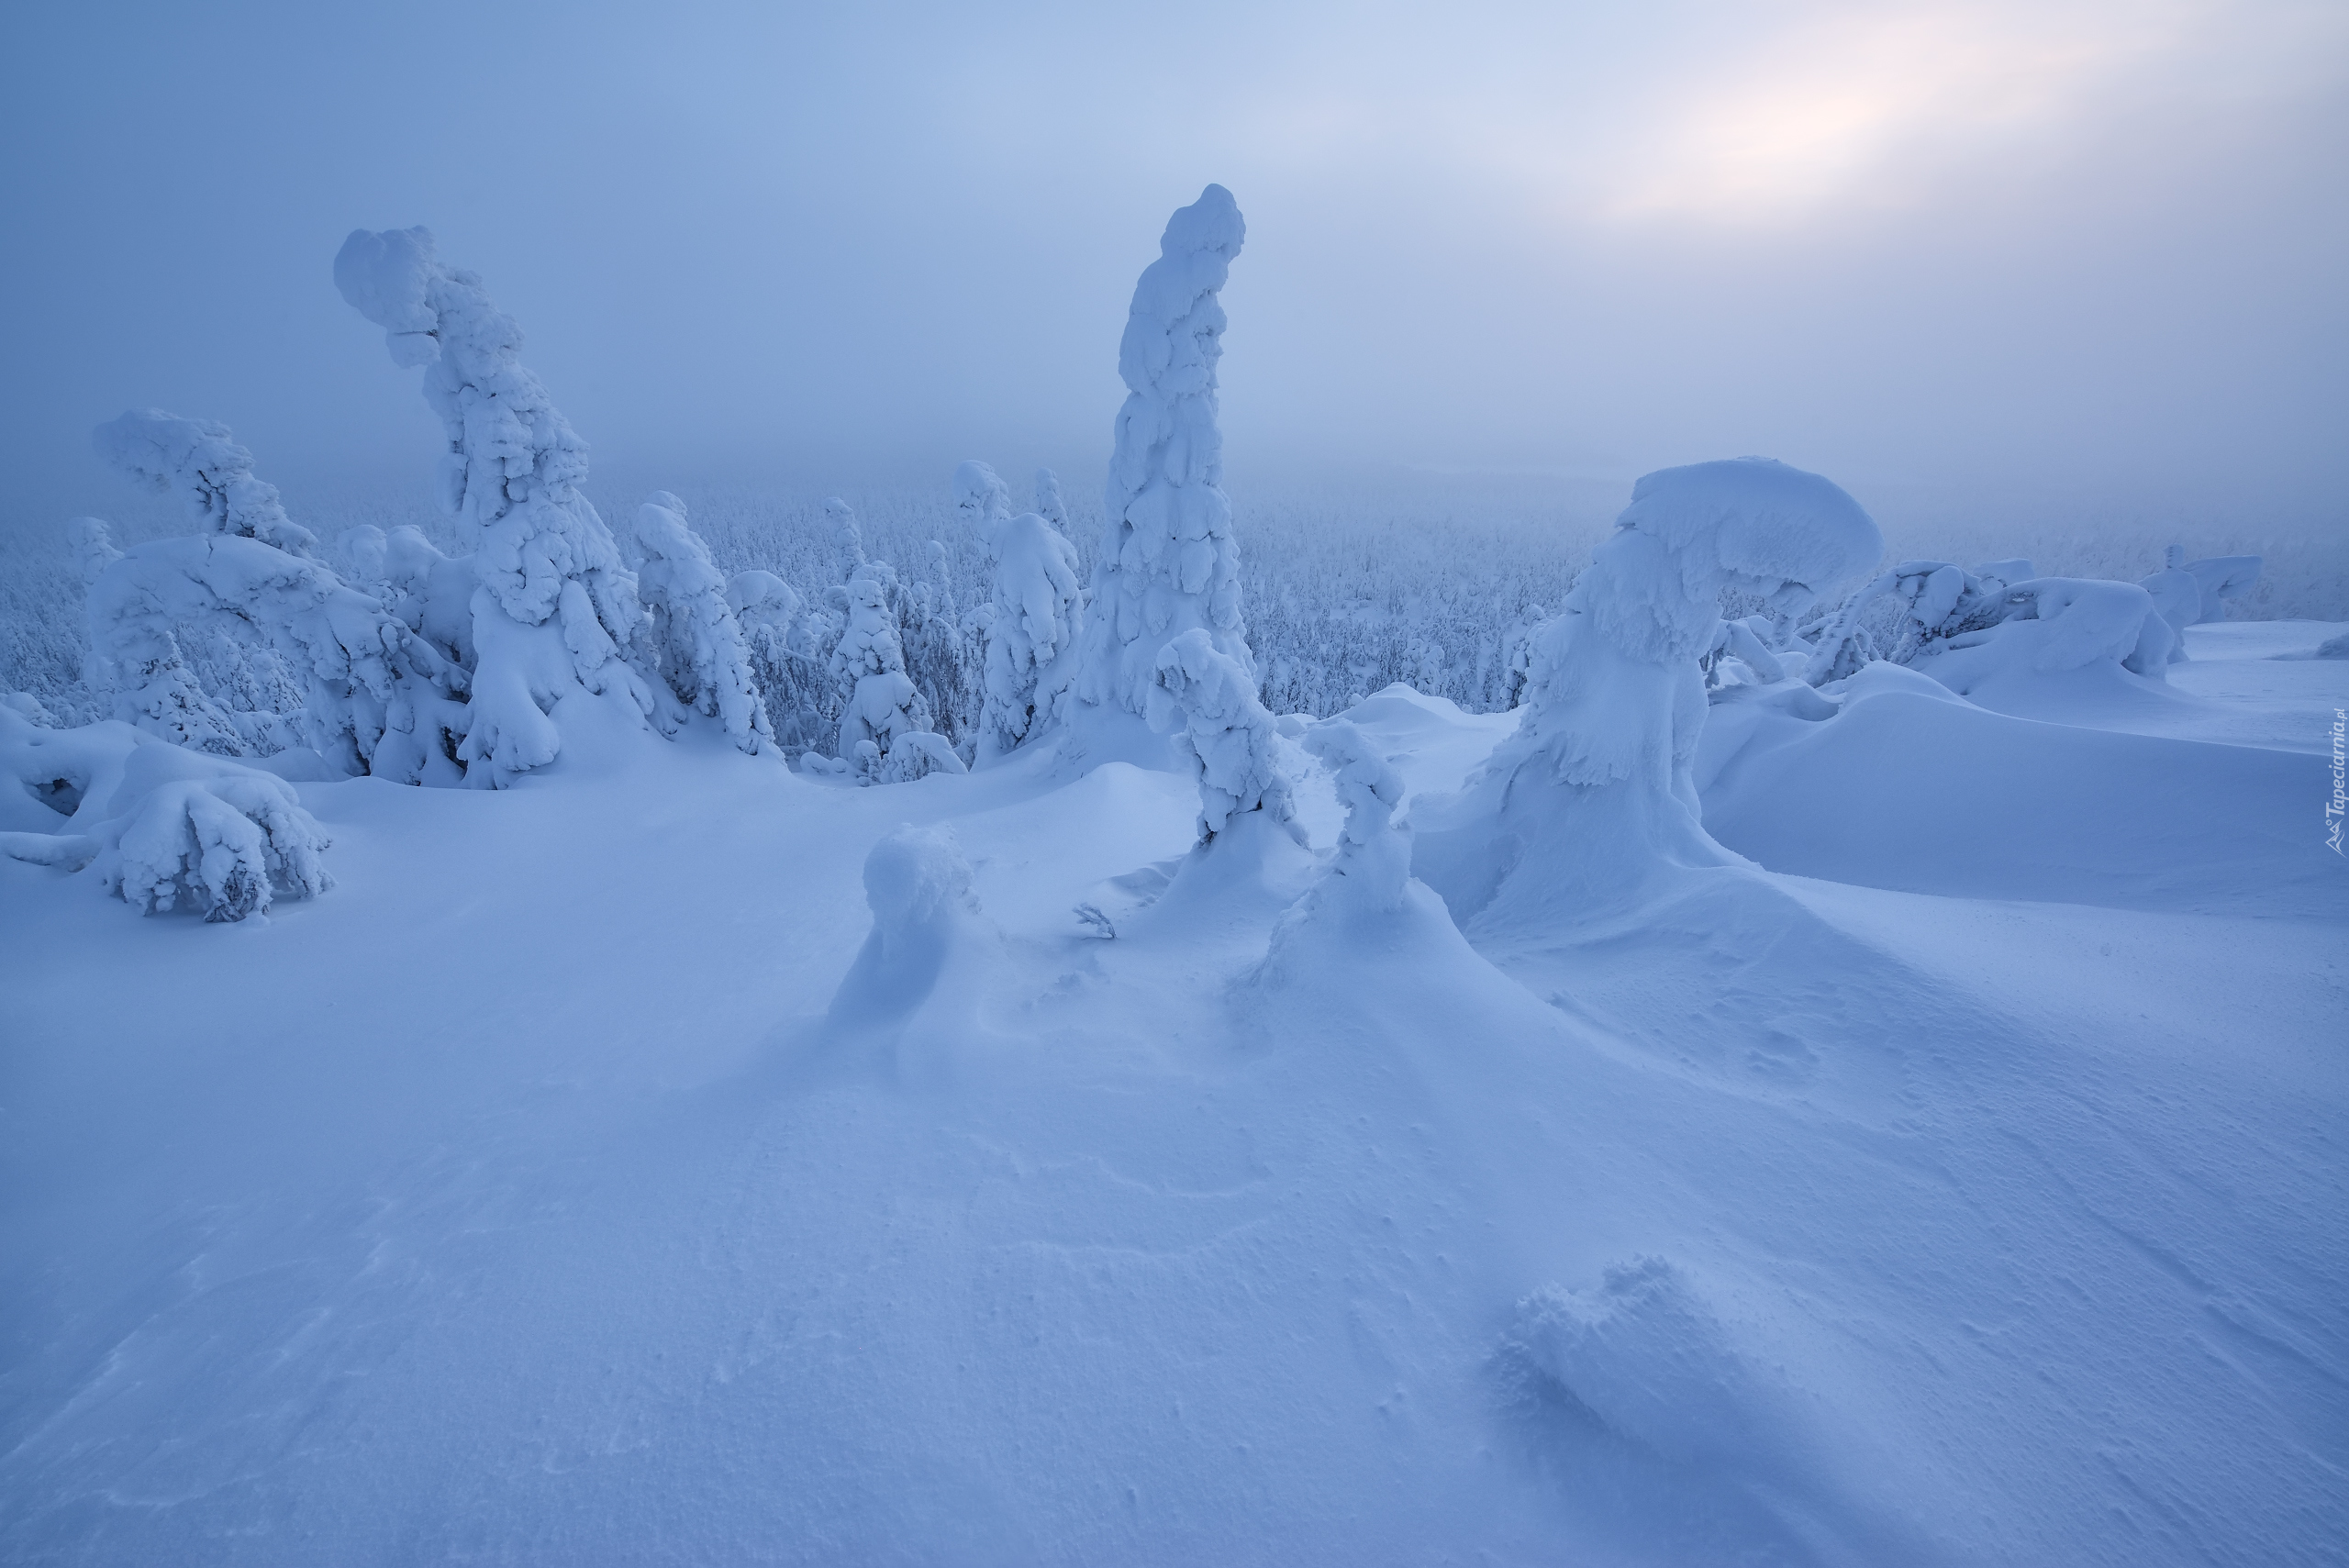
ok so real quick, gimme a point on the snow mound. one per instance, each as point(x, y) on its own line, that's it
point(1908, 788)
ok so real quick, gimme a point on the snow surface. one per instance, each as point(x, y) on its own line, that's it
point(586, 1178)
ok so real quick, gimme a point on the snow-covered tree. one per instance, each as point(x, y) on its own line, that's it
point(159, 826)
point(557, 606)
point(1206, 699)
point(376, 699)
point(198, 460)
point(885, 719)
point(846, 533)
point(1373, 859)
point(1168, 564)
point(696, 646)
point(1031, 626)
point(1594, 792)
point(1048, 505)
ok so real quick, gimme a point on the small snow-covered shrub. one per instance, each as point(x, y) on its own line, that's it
point(696, 646)
point(160, 826)
point(1208, 701)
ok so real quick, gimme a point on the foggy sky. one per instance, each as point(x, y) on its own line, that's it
point(1996, 252)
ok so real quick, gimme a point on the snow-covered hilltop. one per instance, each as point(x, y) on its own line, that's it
point(935, 1061)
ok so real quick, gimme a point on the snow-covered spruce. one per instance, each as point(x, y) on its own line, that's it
point(375, 697)
point(1029, 630)
point(160, 826)
point(1594, 794)
point(1048, 505)
point(198, 460)
point(1208, 701)
point(556, 607)
point(1373, 860)
point(695, 645)
point(884, 728)
point(1168, 564)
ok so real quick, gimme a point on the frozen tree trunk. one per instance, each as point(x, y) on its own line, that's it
point(1593, 796)
point(553, 606)
point(1208, 701)
point(198, 460)
point(1168, 564)
point(697, 646)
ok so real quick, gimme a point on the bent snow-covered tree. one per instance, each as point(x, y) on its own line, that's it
point(1206, 699)
point(1168, 564)
point(697, 646)
point(198, 460)
point(1595, 793)
point(554, 606)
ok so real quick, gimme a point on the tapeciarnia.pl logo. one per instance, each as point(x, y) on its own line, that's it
point(2335, 807)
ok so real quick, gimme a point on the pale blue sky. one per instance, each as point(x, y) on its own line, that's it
point(2093, 247)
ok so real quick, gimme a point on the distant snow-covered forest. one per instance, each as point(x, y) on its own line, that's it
point(1347, 587)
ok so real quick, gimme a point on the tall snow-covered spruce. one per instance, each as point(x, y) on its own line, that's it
point(554, 606)
point(1168, 564)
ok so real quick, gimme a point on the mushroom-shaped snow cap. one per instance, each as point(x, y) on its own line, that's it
point(1760, 523)
point(1212, 223)
point(383, 276)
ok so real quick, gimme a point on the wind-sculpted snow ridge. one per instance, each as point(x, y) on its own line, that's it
point(376, 699)
point(159, 826)
point(1168, 562)
point(697, 644)
point(198, 460)
point(560, 607)
point(1595, 794)
point(1208, 703)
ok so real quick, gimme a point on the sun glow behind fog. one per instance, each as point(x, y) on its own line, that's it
point(1843, 107)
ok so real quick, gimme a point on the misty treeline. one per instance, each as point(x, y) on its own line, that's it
point(1426, 580)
